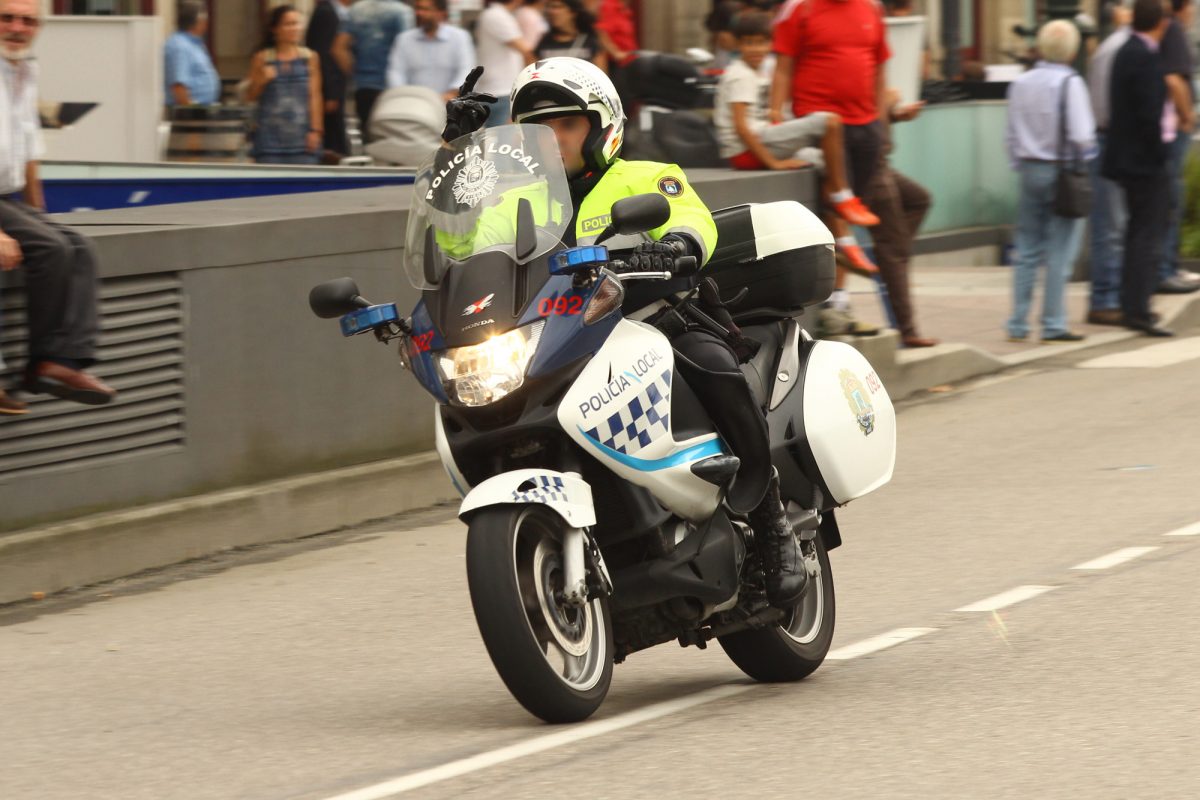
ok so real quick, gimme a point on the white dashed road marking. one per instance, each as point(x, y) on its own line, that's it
point(1115, 558)
point(1186, 530)
point(1006, 599)
point(877, 643)
point(589, 730)
point(571, 735)
point(1152, 357)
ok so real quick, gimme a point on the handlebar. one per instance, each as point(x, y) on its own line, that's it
point(684, 266)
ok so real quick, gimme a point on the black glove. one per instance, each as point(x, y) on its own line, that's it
point(656, 256)
point(467, 112)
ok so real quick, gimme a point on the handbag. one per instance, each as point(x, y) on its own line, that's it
point(1073, 186)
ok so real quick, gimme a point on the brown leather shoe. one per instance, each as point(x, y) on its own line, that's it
point(919, 341)
point(1105, 316)
point(63, 382)
point(10, 407)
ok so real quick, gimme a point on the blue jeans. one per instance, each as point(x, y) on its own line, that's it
point(1042, 236)
point(1106, 225)
point(1176, 157)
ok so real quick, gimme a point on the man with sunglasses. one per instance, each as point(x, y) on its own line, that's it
point(59, 264)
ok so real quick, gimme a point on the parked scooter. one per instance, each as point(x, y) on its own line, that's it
point(593, 480)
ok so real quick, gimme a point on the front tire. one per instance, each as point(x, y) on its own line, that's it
point(793, 649)
point(555, 660)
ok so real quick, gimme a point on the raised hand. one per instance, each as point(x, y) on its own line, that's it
point(469, 110)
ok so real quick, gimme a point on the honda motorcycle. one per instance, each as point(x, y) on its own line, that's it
point(594, 483)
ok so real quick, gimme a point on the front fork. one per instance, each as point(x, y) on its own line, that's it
point(581, 556)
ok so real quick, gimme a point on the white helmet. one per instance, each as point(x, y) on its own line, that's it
point(557, 86)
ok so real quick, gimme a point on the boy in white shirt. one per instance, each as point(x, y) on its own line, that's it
point(749, 141)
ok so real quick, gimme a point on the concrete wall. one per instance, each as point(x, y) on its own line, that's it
point(268, 389)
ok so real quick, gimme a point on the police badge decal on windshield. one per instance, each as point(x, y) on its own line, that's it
point(475, 182)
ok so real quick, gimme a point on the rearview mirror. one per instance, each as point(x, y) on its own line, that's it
point(637, 214)
point(332, 299)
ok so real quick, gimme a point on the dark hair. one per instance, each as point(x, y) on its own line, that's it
point(752, 23)
point(584, 20)
point(1147, 14)
point(189, 14)
point(722, 16)
point(441, 5)
point(1179, 5)
point(273, 19)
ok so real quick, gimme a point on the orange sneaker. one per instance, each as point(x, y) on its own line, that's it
point(852, 257)
point(854, 212)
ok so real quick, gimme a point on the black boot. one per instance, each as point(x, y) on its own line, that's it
point(782, 560)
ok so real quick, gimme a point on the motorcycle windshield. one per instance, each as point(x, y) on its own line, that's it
point(499, 189)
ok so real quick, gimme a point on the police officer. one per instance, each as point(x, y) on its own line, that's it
point(579, 102)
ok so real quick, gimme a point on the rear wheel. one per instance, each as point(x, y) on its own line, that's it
point(555, 659)
point(794, 648)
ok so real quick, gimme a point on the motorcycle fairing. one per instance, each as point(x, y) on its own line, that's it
point(461, 484)
point(565, 338)
point(422, 345)
point(618, 411)
point(565, 493)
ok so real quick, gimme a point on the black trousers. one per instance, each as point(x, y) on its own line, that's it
point(1148, 200)
point(335, 130)
point(864, 149)
point(711, 370)
point(60, 284)
point(364, 101)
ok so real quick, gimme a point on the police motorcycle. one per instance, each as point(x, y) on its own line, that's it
point(593, 480)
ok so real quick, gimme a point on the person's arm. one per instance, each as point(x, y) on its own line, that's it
point(615, 53)
point(397, 68)
point(33, 194)
point(521, 47)
point(781, 86)
point(600, 59)
point(261, 73)
point(316, 130)
point(341, 53)
point(1181, 98)
point(1081, 123)
point(174, 67)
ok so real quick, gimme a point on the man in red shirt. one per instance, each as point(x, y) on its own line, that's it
point(830, 56)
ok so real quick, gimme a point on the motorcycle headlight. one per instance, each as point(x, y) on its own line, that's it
point(484, 373)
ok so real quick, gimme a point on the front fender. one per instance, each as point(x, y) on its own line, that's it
point(567, 494)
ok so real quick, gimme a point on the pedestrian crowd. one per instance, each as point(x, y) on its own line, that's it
point(1131, 122)
point(802, 84)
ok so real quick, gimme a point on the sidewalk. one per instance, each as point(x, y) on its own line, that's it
point(964, 307)
point(968, 306)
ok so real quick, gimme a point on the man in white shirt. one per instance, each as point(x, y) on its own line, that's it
point(58, 263)
point(434, 54)
point(503, 53)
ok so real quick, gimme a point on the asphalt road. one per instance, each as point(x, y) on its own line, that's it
point(342, 664)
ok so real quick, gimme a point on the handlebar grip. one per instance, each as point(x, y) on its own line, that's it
point(688, 265)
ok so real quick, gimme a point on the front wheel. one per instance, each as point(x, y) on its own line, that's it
point(555, 659)
point(794, 648)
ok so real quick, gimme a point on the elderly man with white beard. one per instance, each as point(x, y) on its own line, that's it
point(59, 264)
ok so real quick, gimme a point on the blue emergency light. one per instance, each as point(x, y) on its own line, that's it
point(578, 259)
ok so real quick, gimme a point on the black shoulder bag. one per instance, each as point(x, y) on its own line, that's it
point(1073, 189)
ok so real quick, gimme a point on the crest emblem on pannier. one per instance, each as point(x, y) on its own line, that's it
point(859, 402)
point(475, 182)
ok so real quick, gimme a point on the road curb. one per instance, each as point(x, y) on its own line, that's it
point(114, 545)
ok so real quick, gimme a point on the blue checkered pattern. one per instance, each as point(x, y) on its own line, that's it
point(545, 488)
point(642, 421)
